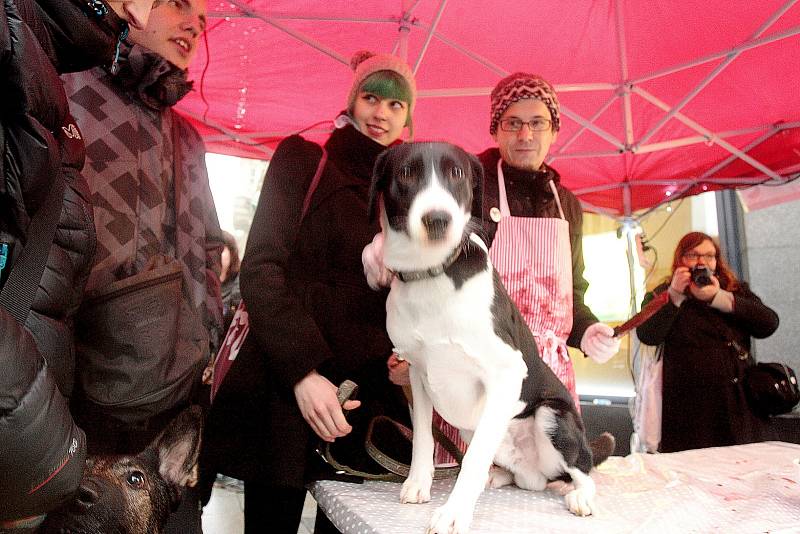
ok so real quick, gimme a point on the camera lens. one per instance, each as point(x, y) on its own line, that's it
point(701, 276)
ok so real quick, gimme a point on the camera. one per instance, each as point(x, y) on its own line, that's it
point(701, 275)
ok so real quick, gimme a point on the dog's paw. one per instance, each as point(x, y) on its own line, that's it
point(580, 501)
point(415, 490)
point(498, 477)
point(450, 519)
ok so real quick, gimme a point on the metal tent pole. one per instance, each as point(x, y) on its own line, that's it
point(232, 134)
point(294, 33)
point(429, 36)
point(705, 131)
point(714, 73)
point(755, 43)
point(627, 114)
point(574, 136)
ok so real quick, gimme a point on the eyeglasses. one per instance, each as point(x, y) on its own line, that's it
point(694, 256)
point(538, 124)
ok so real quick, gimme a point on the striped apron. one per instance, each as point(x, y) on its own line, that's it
point(534, 258)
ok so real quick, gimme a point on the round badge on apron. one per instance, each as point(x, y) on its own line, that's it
point(533, 256)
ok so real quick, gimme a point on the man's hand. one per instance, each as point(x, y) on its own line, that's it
point(398, 371)
point(599, 343)
point(316, 398)
point(377, 274)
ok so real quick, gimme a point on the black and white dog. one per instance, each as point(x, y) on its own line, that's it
point(472, 356)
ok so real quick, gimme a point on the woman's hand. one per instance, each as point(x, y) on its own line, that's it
point(316, 398)
point(377, 274)
point(398, 371)
point(681, 279)
point(707, 292)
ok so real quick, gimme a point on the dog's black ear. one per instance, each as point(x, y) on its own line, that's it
point(478, 177)
point(379, 180)
point(178, 447)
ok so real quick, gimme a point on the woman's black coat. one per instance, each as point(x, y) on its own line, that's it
point(703, 403)
point(309, 308)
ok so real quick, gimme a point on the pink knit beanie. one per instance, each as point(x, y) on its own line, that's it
point(365, 63)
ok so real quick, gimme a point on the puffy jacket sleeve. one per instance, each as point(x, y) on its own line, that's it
point(5, 45)
point(42, 452)
point(285, 330)
point(5, 59)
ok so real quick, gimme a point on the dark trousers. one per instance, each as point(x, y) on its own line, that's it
point(278, 510)
point(187, 518)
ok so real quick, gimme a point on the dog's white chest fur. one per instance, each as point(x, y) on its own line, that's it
point(446, 334)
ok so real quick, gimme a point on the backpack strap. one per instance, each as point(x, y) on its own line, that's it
point(237, 331)
point(23, 282)
point(314, 183)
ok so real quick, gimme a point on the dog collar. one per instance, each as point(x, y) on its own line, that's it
point(411, 276)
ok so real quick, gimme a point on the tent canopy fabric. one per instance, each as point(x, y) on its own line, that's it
point(659, 99)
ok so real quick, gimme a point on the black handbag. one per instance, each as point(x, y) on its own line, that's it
point(771, 388)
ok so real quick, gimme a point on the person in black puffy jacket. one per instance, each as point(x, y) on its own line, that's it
point(41, 449)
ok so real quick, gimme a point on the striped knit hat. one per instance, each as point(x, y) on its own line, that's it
point(519, 86)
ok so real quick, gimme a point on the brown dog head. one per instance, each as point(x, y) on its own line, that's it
point(133, 494)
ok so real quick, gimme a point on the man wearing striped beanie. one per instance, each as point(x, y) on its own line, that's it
point(534, 228)
point(534, 225)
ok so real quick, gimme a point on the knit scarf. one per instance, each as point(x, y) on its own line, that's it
point(150, 78)
point(353, 152)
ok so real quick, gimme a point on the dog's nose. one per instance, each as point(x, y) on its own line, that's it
point(86, 498)
point(435, 223)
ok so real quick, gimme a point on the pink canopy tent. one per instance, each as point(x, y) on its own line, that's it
point(660, 99)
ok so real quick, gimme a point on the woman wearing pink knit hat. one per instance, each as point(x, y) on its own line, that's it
point(313, 321)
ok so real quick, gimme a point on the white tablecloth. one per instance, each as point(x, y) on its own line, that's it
point(742, 489)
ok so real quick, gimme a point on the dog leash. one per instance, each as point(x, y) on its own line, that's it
point(649, 309)
point(397, 470)
point(343, 394)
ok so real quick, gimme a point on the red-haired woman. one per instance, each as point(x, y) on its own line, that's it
point(703, 401)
